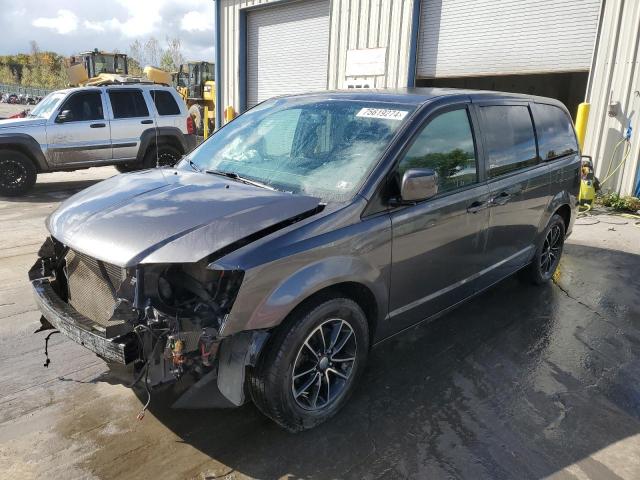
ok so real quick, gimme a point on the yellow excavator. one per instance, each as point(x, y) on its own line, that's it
point(195, 82)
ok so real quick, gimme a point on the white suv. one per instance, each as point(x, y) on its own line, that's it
point(131, 126)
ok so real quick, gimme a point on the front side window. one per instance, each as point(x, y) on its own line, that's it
point(128, 104)
point(556, 137)
point(83, 107)
point(319, 147)
point(509, 136)
point(446, 146)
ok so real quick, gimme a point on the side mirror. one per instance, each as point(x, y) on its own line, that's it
point(64, 116)
point(418, 184)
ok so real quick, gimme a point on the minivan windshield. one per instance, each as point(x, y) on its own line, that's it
point(47, 105)
point(319, 147)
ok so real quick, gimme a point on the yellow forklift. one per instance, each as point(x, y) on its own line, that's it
point(195, 82)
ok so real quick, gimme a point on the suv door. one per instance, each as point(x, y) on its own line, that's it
point(79, 132)
point(130, 118)
point(518, 182)
point(438, 244)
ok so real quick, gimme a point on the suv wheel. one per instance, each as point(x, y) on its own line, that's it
point(17, 173)
point(161, 156)
point(547, 257)
point(312, 363)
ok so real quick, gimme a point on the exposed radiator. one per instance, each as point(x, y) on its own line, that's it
point(92, 287)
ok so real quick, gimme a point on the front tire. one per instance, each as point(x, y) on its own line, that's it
point(18, 174)
point(312, 364)
point(547, 256)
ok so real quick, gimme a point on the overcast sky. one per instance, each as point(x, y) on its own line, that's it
point(70, 26)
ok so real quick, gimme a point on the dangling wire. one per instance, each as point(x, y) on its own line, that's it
point(46, 348)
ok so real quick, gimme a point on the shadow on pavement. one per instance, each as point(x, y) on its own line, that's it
point(518, 383)
point(46, 192)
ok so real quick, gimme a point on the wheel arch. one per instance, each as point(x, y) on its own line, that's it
point(563, 204)
point(565, 212)
point(28, 146)
point(153, 137)
point(360, 293)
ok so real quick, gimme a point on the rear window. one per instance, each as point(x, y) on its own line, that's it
point(556, 137)
point(511, 143)
point(128, 104)
point(165, 102)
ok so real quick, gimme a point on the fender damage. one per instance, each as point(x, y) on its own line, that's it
point(160, 320)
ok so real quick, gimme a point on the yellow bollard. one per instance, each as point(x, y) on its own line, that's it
point(581, 122)
point(205, 119)
point(229, 114)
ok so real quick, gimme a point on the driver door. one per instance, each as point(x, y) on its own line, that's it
point(439, 244)
point(78, 132)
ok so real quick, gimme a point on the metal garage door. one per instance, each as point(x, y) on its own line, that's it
point(495, 37)
point(287, 49)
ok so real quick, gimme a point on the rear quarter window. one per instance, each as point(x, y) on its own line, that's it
point(509, 137)
point(556, 136)
point(165, 102)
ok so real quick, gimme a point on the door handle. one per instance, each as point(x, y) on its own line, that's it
point(146, 122)
point(97, 125)
point(501, 199)
point(476, 206)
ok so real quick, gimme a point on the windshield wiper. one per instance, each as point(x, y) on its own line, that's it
point(235, 176)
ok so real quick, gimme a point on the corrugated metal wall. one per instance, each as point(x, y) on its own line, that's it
point(615, 78)
point(497, 37)
point(355, 24)
point(359, 24)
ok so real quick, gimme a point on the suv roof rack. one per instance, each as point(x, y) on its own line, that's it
point(109, 79)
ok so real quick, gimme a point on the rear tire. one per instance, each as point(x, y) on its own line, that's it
point(547, 256)
point(323, 347)
point(18, 174)
point(164, 155)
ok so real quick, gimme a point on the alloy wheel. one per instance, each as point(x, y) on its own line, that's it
point(12, 174)
point(324, 365)
point(551, 250)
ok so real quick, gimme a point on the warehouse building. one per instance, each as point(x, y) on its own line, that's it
point(272, 47)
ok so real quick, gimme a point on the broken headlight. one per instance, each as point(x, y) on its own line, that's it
point(192, 292)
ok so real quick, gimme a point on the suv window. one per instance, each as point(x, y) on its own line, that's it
point(84, 107)
point(445, 145)
point(511, 143)
point(165, 102)
point(555, 131)
point(128, 104)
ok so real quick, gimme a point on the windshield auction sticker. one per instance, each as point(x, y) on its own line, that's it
point(382, 113)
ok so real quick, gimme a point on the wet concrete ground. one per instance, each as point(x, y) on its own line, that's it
point(521, 382)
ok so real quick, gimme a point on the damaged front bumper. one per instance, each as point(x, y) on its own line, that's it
point(218, 383)
point(80, 329)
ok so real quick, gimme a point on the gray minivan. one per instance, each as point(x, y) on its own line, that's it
point(271, 258)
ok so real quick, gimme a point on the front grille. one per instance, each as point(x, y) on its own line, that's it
point(92, 289)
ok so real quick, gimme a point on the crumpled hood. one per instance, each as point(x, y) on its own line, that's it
point(167, 215)
point(10, 123)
